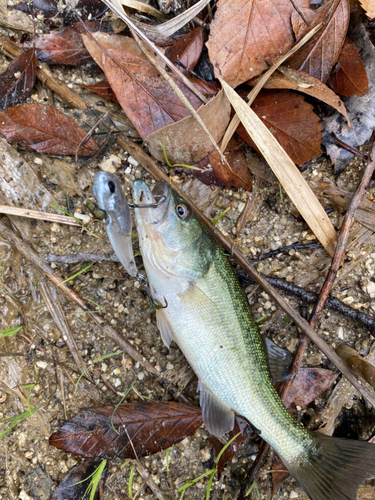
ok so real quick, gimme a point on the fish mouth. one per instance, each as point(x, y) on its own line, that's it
point(160, 196)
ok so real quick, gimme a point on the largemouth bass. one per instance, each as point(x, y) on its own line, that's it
point(209, 318)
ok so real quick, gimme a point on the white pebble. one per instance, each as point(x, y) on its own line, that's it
point(133, 161)
point(340, 332)
point(41, 364)
point(293, 494)
point(111, 164)
point(170, 366)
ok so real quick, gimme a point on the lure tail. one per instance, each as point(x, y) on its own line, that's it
point(334, 468)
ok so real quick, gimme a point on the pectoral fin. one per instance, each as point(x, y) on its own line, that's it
point(217, 418)
point(164, 327)
point(279, 360)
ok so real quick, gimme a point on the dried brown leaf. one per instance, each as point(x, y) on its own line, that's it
point(369, 7)
point(103, 89)
point(146, 98)
point(185, 141)
point(319, 55)
point(287, 78)
point(212, 171)
point(45, 129)
point(76, 482)
point(351, 78)
point(62, 47)
point(292, 122)
point(307, 385)
point(107, 41)
point(302, 17)
point(279, 473)
point(18, 80)
point(187, 50)
point(142, 428)
point(246, 36)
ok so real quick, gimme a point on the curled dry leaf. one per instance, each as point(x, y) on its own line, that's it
point(212, 170)
point(61, 47)
point(318, 56)
point(285, 170)
point(103, 89)
point(351, 77)
point(187, 50)
point(287, 78)
point(76, 482)
point(369, 8)
point(185, 141)
point(246, 36)
point(308, 385)
point(18, 80)
point(291, 120)
point(142, 428)
point(46, 130)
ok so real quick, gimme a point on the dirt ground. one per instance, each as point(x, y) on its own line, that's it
point(30, 468)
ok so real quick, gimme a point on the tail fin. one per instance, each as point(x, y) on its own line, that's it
point(334, 468)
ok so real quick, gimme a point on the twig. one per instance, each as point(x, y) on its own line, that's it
point(311, 297)
point(343, 237)
point(37, 214)
point(45, 76)
point(293, 246)
point(319, 305)
point(151, 166)
point(349, 148)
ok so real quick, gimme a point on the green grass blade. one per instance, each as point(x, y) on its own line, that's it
point(10, 332)
point(77, 274)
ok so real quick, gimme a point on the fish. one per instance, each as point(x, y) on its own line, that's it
point(107, 190)
point(208, 317)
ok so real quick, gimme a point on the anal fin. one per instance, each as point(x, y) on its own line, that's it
point(217, 418)
point(164, 327)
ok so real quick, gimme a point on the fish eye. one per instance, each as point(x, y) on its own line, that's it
point(112, 186)
point(183, 211)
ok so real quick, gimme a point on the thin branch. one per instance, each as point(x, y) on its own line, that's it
point(37, 214)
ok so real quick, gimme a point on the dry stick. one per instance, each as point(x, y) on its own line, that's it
point(319, 305)
point(152, 167)
point(37, 214)
point(45, 76)
point(31, 256)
